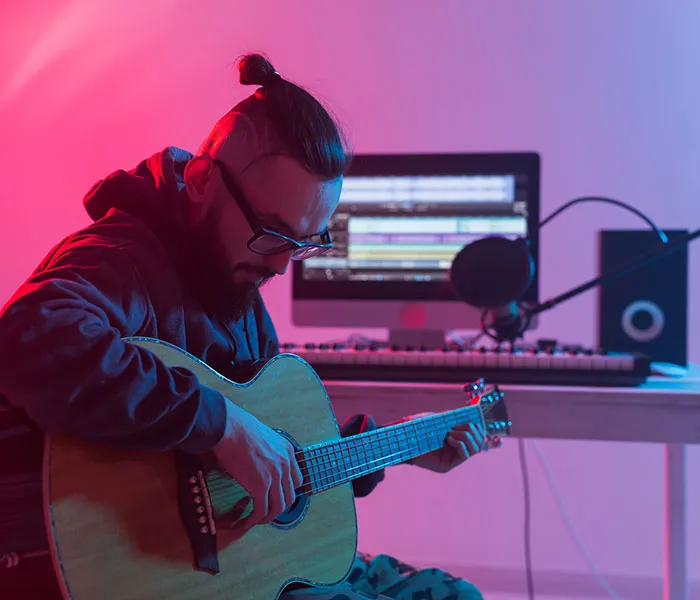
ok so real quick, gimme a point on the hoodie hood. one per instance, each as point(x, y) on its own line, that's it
point(153, 192)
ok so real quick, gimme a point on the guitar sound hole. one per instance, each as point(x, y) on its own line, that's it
point(292, 516)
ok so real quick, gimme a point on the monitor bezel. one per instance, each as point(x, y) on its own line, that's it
point(496, 163)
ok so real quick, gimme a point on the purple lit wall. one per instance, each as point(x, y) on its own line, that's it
point(608, 93)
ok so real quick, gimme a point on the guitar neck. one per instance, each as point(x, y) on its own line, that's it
point(334, 463)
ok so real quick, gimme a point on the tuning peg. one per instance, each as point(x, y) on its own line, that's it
point(497, 426)
point(475, 388)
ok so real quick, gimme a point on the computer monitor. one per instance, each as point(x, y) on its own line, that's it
point(401, 220)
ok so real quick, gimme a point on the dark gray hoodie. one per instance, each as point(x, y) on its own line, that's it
point(62, 358)
point(132, 272)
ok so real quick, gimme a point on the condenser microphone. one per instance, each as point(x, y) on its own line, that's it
point(493, 273)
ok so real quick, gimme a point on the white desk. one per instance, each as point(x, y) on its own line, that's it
point(664, 410)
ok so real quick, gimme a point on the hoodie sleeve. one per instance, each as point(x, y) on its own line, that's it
point(63, 360)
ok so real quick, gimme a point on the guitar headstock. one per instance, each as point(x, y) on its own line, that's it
point(493, 407)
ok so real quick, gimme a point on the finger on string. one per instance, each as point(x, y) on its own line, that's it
point(288, 488)
point(475, 428)
point(261, 508)
point(459, 446)
point(480, 444)
point(233, 518)
point(467, 438)
point(464, 426)
point(297, 475)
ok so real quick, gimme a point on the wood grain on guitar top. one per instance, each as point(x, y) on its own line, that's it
point(114, 520)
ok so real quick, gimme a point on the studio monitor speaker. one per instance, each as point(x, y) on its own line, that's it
point(646, 309)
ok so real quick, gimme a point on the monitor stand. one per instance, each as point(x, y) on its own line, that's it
point(431, 339)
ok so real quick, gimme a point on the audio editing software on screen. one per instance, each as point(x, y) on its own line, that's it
point(409, 228)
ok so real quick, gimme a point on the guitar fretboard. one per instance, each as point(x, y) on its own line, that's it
point(333, 463)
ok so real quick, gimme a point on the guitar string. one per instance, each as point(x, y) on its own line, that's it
point(327, 473)
point(221, 483)
point(326, 477)
point(429, 428)
point(355, 451)
point(334, 483)
point(315, 488)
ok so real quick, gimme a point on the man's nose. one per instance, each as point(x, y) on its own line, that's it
point(280, 262)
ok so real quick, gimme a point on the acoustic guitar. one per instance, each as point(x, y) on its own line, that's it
point(132, 525)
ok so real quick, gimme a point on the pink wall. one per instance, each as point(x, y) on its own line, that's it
point(607, 93)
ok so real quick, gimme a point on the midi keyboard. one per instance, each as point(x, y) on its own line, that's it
point(572, 366)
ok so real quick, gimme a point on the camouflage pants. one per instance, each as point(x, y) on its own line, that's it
point(383, 577)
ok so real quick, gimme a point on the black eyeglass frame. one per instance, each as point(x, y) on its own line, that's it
point(303, 249)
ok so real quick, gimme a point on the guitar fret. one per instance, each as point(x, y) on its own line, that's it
point(334, 465)
point(343, 460)
point(325, 474)
point(368, 454)
point(329, 467)
point(316, 467)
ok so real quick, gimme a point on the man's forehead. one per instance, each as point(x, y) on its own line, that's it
point(280, 187)
point(275, 183)
point(280, 181)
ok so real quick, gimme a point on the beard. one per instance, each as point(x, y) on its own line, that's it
point(212, 276)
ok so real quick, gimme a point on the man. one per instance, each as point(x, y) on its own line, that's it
point(178, 250)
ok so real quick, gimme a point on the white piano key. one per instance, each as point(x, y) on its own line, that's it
point(518, 360)
point(504, 361)
point(543, 360)
point(439, 358)
point(558, 361)
point(490, 360)
point(598, 362)
point(532, 361)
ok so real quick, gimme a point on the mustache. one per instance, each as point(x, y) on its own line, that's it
point(260, 272)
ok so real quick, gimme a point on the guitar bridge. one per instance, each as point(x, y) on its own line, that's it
point(196, 511)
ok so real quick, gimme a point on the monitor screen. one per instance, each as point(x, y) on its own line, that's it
point(403, 218)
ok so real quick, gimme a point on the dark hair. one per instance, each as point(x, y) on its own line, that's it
point(303, 125)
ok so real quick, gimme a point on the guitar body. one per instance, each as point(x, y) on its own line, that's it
point(114, 524)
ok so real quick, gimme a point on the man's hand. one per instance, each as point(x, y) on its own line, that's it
point(260, 460)
point(462, 441)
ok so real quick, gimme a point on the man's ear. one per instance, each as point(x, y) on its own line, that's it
point(199, 184)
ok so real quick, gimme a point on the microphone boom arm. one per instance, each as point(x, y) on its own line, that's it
point(665, 249)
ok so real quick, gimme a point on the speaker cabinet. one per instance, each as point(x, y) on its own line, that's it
point(645, 310)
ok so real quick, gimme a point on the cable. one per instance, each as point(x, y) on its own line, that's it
point(526, 510)
point(354, 338)
point(641, 215)
point(569, 525)
point(461, 342)
point(358, 338)
point(523, 327)
point(524, 324)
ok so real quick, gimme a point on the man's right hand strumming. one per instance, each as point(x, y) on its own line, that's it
point(260, 460)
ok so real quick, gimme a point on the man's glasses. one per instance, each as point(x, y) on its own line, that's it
point(265, 239)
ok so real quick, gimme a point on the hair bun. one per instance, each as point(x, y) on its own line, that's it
point(255, 69)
